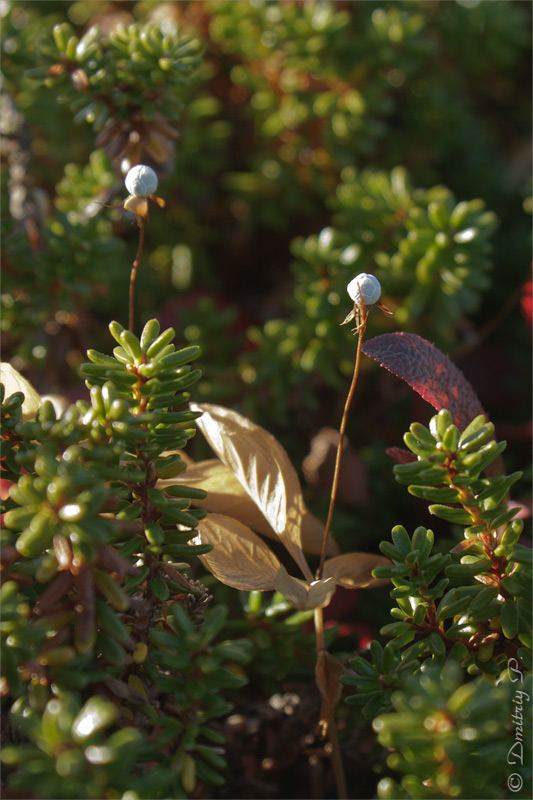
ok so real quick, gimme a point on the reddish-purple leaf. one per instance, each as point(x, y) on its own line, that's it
point(428, 371)
point(400, 455)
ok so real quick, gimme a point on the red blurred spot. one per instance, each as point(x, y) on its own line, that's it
point(526, 302)
point(4, 488)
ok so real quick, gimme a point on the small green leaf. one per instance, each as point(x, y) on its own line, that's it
point(131, 345)
point(159, 588)
point(435, 494)
point(509, 619)
point(436, 644)
point(468, 570)
point(97, 713)
point(401, 539)
point(455, 515)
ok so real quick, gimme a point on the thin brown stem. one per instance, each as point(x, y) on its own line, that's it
point(329, 721)
point(360, 333)
point(336, 760)
point(328, 724)
point(133, 274)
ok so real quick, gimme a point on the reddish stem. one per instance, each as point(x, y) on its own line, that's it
point(134, 271)
point(360, 333)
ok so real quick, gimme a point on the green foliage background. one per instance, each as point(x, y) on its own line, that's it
point(297, 144)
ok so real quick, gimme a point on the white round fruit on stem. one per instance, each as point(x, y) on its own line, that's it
point(364, 289)
point(141, 181)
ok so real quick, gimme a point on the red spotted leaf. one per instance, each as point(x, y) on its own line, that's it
point(428, 371)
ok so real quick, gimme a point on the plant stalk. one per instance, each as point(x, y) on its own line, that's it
point(336, 760)
point(360, 333)
point(330, 726)
point(133, 274)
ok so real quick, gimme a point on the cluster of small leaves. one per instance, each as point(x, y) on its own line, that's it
point(80, 187)
point(281, 650)
point(98, 615)
point(369, 78)
point(66, 254)
point(289, 86)
point(126, 85)
point(448, 470)
point(10, 468)
point(131, 87)
point(217, 330)
point(478, 609)
point(376, 680)
point(77, 747)
point(305, 70)
point(430, 253)
point(474, 615)
point(455, 738)
point(326, 85)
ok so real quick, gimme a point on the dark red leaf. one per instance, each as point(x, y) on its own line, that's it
point(400, 455)
point(428, 371)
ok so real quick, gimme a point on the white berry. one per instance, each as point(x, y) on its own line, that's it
point(364, 289)
point(141, 181)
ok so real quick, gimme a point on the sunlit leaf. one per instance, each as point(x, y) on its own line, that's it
point(263, 468)
point(225, 495)
point(14, 382)
point(304, 596)
point(239, 558)
point(97, 713)
point(354, 570)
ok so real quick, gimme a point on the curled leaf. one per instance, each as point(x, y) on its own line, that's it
point(303, 596)
point(354, 570)
point(328, 671)
point(263, 468)
point(239, 558)
point(225, 495)
point(15, 382)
